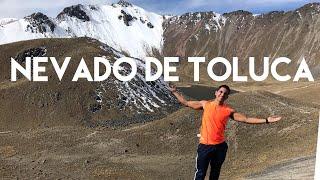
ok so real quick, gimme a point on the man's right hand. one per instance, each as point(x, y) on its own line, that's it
point(172, 88)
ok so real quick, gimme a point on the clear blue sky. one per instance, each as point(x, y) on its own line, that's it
point(21, 8)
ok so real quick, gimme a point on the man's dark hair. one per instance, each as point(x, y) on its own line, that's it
point(224, 86)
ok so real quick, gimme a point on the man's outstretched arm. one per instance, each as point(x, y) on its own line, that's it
point(252, 120)
point(193, 104)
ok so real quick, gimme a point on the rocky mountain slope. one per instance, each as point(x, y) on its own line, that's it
point(293, 34)
point(111, 102)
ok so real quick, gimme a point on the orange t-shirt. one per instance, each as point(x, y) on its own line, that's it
point(214, 121)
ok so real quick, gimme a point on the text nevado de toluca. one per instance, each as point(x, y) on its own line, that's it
point(154, 69)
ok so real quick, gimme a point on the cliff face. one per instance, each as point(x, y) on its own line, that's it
point(294, 34)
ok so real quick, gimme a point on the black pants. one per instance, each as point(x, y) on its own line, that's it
point(213, 154)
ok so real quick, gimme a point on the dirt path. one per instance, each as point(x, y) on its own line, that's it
point(302, 168)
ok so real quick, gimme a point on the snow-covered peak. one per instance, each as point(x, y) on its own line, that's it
point(77, 11)
point(123, 26)
point(39, 23)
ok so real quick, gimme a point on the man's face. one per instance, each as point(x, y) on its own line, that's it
point(222, 94)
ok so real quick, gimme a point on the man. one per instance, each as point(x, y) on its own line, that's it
point(212, 147)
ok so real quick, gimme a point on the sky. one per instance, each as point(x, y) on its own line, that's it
point(22, 8)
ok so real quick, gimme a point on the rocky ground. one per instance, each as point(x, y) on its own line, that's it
point(302, 168)
point(165, 148)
